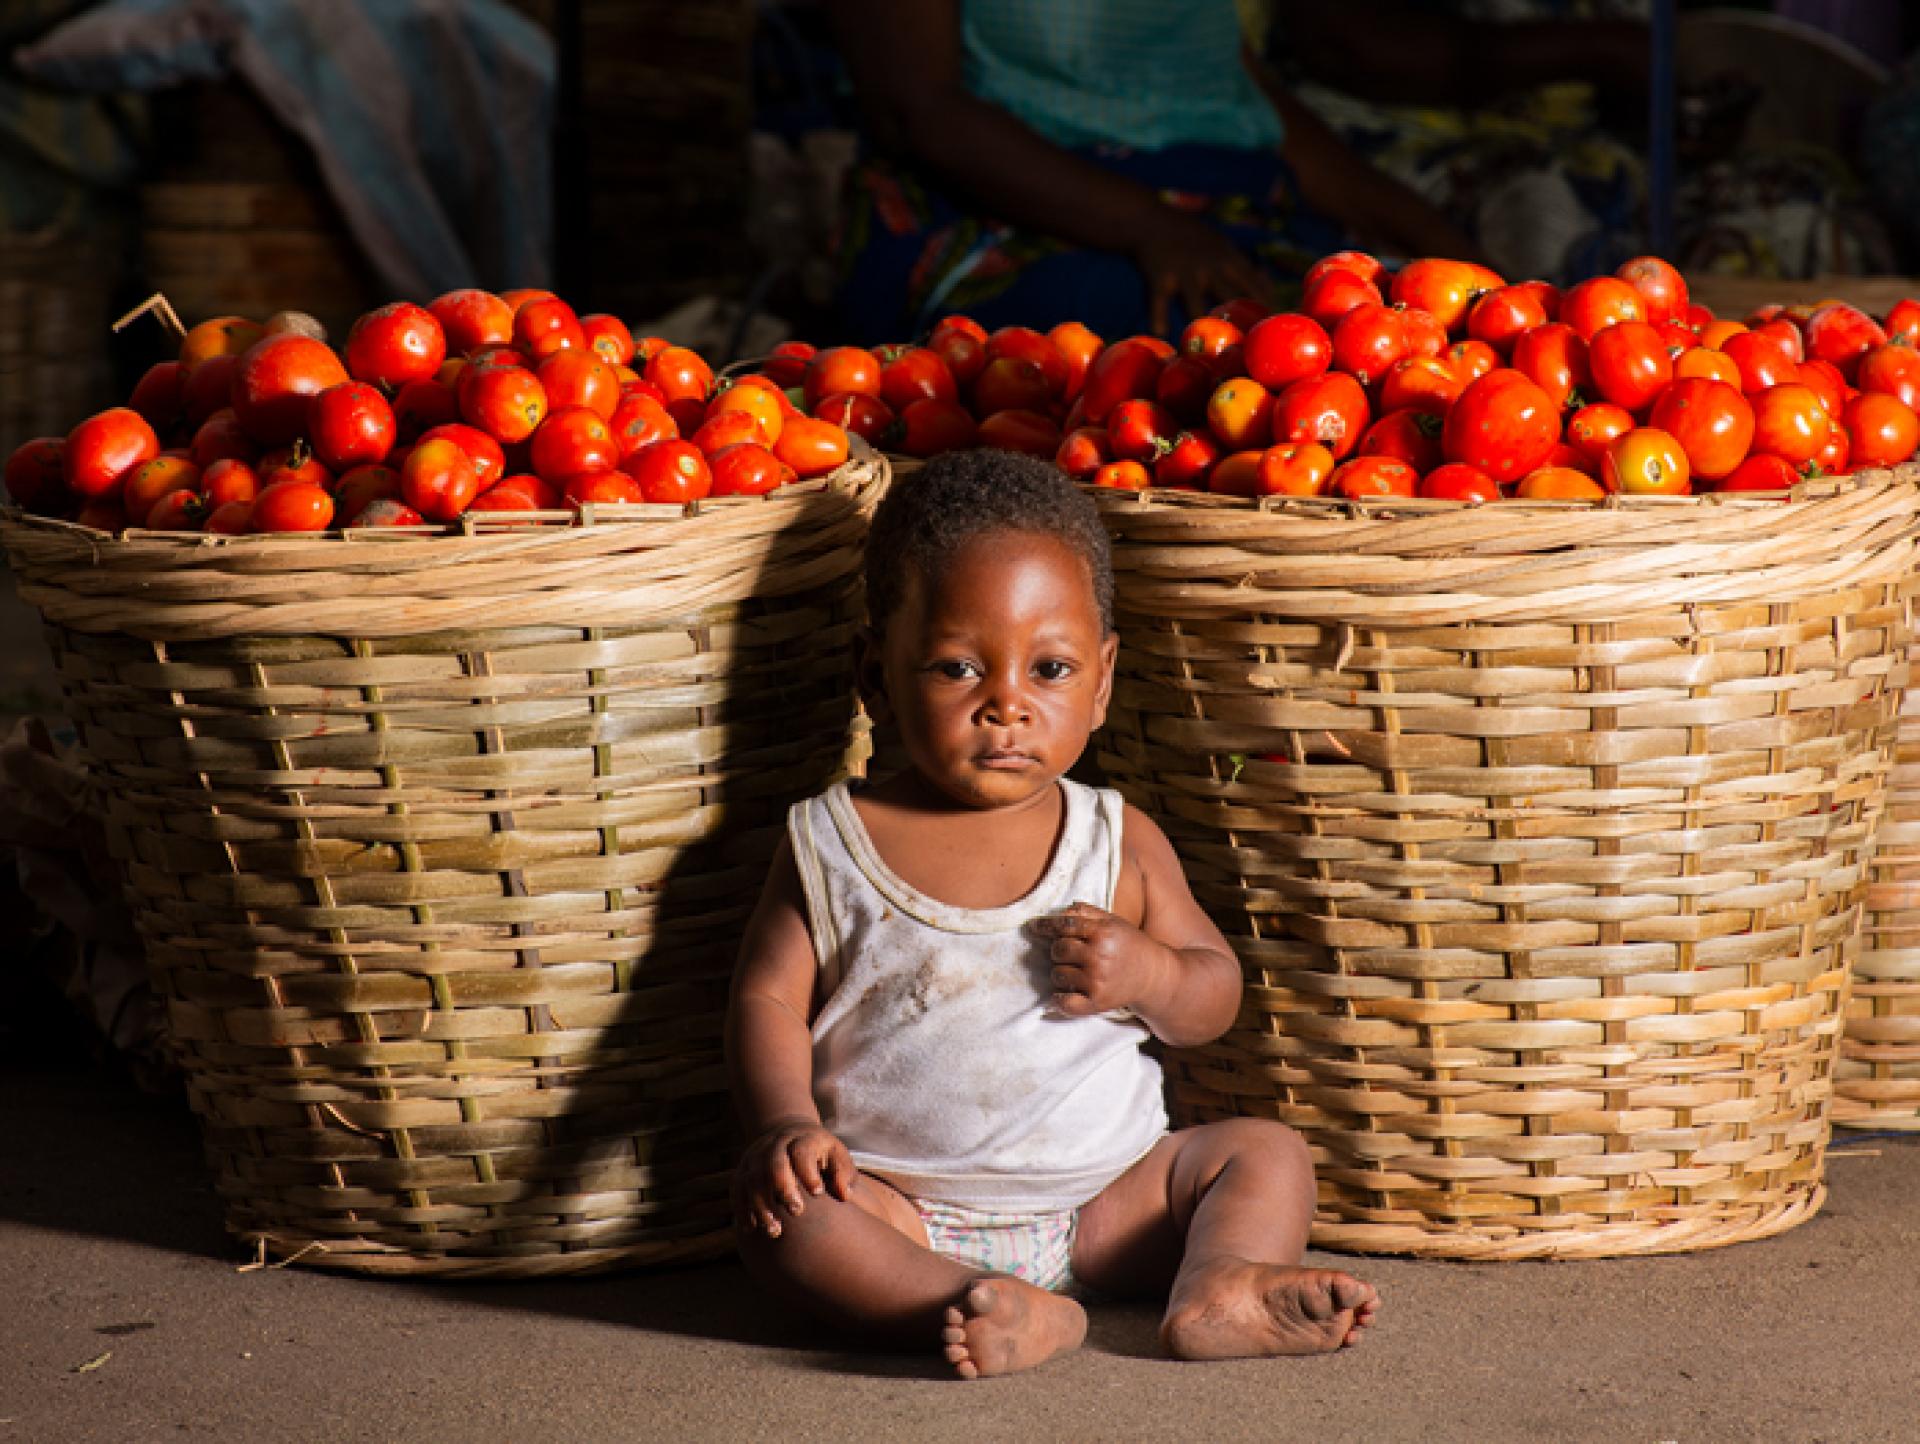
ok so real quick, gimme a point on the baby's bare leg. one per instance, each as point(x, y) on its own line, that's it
point(1232, 1202)
point(865, 1266)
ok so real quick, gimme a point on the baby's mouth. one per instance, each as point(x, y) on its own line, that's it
point(1009, 759)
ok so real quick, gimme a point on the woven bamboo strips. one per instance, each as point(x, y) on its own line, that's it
point(1543, 835)
point(440, 847)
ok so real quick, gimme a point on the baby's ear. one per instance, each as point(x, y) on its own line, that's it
point(869, 674)
point(1109, 650)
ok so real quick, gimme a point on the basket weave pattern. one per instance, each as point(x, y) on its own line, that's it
point(441, 846)
point(1542, 834)
point(1879, 1075)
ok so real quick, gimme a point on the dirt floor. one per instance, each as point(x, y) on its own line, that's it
point(123, 1317)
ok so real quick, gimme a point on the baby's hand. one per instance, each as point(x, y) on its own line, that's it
point(791, 1159)
point(1100, 962)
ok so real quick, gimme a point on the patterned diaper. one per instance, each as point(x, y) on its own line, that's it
point(1037, 1247)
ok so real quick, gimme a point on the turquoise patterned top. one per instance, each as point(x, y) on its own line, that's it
point(1146, 74)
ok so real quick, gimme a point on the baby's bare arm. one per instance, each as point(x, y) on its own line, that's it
point(769, 1047)
point(1171, 967)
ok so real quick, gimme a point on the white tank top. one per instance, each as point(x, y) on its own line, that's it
point(937, 1058)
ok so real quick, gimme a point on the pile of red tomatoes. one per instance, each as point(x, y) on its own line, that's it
point(1439, 380)
point(477, 403)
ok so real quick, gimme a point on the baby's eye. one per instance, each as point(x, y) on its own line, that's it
point(954, 669)
point(1054, 670)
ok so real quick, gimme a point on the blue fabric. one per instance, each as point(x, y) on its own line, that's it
point(431, 120)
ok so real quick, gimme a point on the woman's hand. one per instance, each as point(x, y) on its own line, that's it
point(793, 1158)
point(1183, 257)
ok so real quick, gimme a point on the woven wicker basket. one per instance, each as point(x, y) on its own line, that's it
point(1878, 1081)
point(1542, 833)
point(440, 847)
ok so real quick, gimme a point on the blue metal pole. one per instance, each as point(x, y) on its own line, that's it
point(1661, 138)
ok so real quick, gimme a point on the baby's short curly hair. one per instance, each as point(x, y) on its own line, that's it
point(930, 515)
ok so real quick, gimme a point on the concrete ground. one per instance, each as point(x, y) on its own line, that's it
point(123, 1317)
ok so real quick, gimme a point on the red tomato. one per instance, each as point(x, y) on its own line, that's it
point(579, 378)
point(1842, 334)
point(840, 370)
point(1547, 294)
point(1083, 452)
point(220, 436)
point(153, 480)
point(1787, 335)
point(867, 417)
point(1209, 336)
point(913, 373)
point(102, 514)
point(1893, 369)
point(208, 388)
point(1554, 358)
point(1425, 384)
point(439, 480)
point(1565, 456)
point(681, 375)
point(1504, 424)
point(1295, 468)
point(1762, 360)
point(1501, 317)
point(1596, 304)
point(513, 499)
point(489, 461)
point(1445, 288)
point(506, 402)
point(1373, 476)
point(544, 324)
point(398, 343)
point(1881, 429)
point(181, 510)
point(1471, 359)
point(36, 476)
point(293, 506)
point(608, 338)
point(1823, 378)
point(1029, 345)
point(1712, 422)
point(1287, 348)
point(230, 480)
point(1125, 371)
point(1425, 335)
point(572, 440)
point(230, 518)
point(1645, 462)
point(218, 336)
point(1458, 482)
point(1012, 383)
point(161, 396)
point(1368, 340)
point(928, 428)
point(1835, 458)
point(965, 355)
point(723, 429)
point(602, 488)
point(102, 451)
point(1366, 267)
point(1629, 364)
point(811, 447)
point(1240, 413)
point(1762, 471)
point(1187, 463)
point(1123, 476)
point(1903, 321)
point(1334, 294)
point(638, 420)
point(362, 487)
point(1236, 474)
point(1559, 483)
point(669, 471)
point(422, 405)
point(1185, 387)
point(1330, 409)
point(1026, 431)
point(1662, 289)
point(747, 469)
point(351, 424)
point(1141, 430)
point(1243, 311)
point(786, 364)
point(1079, 345)
point(275, 383)
point(1790, 421)
point(1591, 429)
point(472, 319)
point(1409, 436)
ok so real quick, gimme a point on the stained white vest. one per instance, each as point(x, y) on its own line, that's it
point(937, 1058)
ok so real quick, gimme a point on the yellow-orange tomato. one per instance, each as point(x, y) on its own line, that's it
point(1237, 474)
point(1703, 363)
point(1715, 334)
point(1123, 476)
point(1295, 468)
point(221, 336)
point(1240, 412)
point(1559, 483)
point(810, 446)
point(757, 402)
point(1646, 461)
point(1373, 476)
point(154, 479)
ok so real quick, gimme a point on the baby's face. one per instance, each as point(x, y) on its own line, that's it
point(997, 670)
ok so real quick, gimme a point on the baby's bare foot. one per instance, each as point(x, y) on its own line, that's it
point(1233, 1308)
point(1003, 1325)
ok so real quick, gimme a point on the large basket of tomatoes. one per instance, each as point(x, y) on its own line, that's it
point(1541, 817)
point(439, 817)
